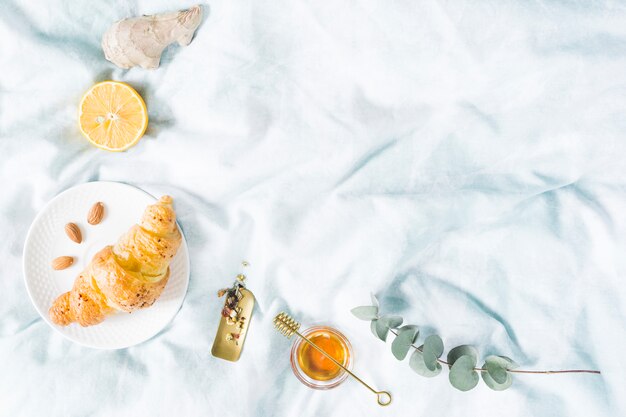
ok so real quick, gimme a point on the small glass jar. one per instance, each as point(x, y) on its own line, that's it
point(301, 350)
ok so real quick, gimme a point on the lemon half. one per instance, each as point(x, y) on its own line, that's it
point(112, 116)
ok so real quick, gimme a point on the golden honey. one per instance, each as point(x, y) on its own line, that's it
point(313, 363)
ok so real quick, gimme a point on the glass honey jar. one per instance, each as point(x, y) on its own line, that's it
point(314, 369)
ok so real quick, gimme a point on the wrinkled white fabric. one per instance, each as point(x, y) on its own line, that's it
point(464, 161)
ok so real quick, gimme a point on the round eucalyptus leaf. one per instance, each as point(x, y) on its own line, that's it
point(392, 322)
point(430, 360)
point(497, 367)
point(399, 348)
point(510, 362)
point(365, 312)
point(434, 345)
point(410, 327)
point(403, 341)
point(491, 383)
point(417, 364)
point(507, 363)
point(463, 350)
point(497, 372)
point(373, 327)
point(462, 374)
point(433, 348)
point(381, 330)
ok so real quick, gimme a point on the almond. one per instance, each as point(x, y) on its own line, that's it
point(62, 262)
point(73, 232)
point(95, 213)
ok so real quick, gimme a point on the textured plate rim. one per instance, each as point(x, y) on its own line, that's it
point(44, 315)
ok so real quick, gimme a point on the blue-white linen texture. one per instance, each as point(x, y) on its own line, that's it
point(462, 160)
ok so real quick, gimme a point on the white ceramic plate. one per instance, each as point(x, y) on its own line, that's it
point(46, 240)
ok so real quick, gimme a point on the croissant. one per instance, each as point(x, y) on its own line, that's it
point(127, 276)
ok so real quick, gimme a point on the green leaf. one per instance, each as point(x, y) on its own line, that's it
point(392, 322)
point(510, 362)
point(434, 344)
point(373, 327)
point(381, 330)
point(365, 312)
point(403, 341)
point(412, 328)
point(497, 368)
point(491, 383)
point(462, 374)
point(374, 300)
point(463, 350)
point(433, 348)
point(496, 375)
point(495, 371)
point(417, 364)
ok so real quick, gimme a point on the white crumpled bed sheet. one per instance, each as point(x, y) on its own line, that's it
point(464, 161)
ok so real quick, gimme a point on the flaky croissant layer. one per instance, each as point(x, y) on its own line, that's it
point(127, 276)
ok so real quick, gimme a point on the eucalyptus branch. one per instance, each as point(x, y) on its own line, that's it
point(461, 360)
point(516, 371)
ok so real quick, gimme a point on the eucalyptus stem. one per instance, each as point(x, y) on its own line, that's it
point(462, 361)
point(517, 371)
